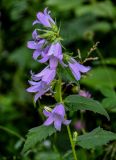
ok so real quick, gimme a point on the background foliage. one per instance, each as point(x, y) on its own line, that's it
point(83, 23)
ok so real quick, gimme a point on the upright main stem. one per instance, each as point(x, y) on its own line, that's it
point(72, 143)
point(68, 127)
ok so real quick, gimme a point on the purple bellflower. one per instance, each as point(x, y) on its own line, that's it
point(54, 54)
point(37, 44)
point(40, 83)
point(84, 93)
point(44, 18)
point(77, 68)
point(56, 116)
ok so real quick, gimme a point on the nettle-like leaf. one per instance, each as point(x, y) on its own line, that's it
point(76, 102)
point(36, 135)
point(95, 138)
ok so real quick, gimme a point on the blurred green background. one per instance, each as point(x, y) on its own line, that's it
point(83, 23)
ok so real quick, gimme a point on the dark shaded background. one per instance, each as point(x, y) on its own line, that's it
point(83, 23)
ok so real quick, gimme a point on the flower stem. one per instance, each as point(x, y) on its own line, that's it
point(68, 127)
point(72, 144)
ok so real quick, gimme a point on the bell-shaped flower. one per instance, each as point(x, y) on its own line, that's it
point(46, 75)
point(40, 88)
point(37, 44)
point(56, 116)
point(54, 54)
point(40, 83)
point(44, 18)
point(77, 68)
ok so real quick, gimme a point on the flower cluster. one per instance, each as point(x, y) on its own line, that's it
point(51, 52)
point(47, 47)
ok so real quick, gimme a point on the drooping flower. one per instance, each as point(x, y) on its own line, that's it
point(53, 54)
point(56, 116)
point(44, 18)
point(46, 75)
point(36, 44)
point(40, 83)
point(40, 88)
point(77, 68)
point(84, 93)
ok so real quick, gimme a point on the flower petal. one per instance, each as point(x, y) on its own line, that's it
point(49, 76)
point(36, 22)
point(59, 109)
point(66, 122)
point(36, 53)
point(43, 19)
point(53, 62)
point(33, 45)
point(83, 68)
point(33, 88)
point(46, 113)
point(75, 71)
point(43, 60)
point(57, 124)
point(49, 121)
point(34, 34)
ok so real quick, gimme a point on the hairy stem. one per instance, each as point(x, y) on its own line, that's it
point(68, 127)
point(72, 143)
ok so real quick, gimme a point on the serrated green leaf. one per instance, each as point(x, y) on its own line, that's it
point(76, 102)
point(95, 138)
point(36, 135)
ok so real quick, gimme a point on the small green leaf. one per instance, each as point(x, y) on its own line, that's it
point(36, 135)
point(76, 102)
point(95, 138)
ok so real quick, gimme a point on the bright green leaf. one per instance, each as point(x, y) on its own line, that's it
point(75, 103)
point(95, 138)
point(36, 135)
